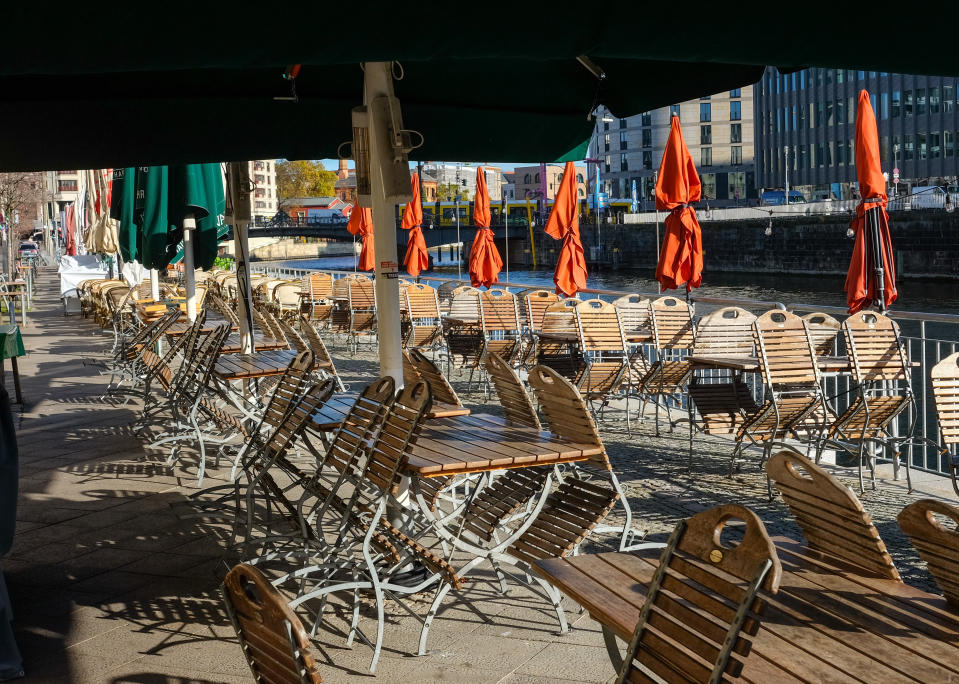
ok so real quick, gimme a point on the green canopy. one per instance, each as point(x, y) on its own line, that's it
point(507, 87)
point(122, 202)
point(164, 197)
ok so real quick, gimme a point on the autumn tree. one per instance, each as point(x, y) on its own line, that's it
point(21, 194)
point(452, 192)
point(303, 178)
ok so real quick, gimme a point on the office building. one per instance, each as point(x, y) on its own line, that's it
point(808, 117)
point(717, 128)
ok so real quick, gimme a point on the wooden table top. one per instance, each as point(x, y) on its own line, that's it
point(209, 325)
point(259, 365)
point(329, 416)
point(827, 623)
point(260, 343)
point(481, 442)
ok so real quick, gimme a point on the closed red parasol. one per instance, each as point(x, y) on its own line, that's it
point(485, 261)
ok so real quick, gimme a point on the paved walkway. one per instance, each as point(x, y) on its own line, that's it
point(109, 585)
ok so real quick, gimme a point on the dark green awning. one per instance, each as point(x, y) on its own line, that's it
point(136, 89)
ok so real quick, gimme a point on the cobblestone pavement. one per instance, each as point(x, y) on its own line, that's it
point(110, 584)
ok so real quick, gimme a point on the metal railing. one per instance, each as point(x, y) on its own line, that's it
point(929, 337)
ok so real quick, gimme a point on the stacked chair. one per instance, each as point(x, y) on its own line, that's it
point(673, 337)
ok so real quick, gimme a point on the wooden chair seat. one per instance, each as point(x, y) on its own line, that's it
point(855, 423)
point(600, 379)
point(223, 418)
point(570, 513)
point(276, 646)
point(937, 546)
point(830, 516)
point(767, 424)
point(722, 406)
point(507, 494)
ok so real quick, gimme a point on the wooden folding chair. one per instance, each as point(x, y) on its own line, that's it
point(937, 546)
point(563, 357)
point(945, 390)
point(316, 297)
point(605, 353)
point(286, 300)
point(423, 316)
point(276, 646)
point(633, 311)
point(721, 398)
point(322, 358)
point(517, 406)
point(789, 368)
point(464, 343)
point(703, 602)
point(823, 329)
point(534, 305)
point(673, 338)
point(883, 386)
point(830, 516)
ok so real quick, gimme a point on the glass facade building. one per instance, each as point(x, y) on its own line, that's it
point(808, 118)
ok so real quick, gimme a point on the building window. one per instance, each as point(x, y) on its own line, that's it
point(606, 141)
point(820, 119)
point(623, 164)
point(605, 125)
point(947, 98)
point(66, 186)
point(706, 157)
point(935, 147)
point(735, 110)
point(861, 75)
point(820, 155)
point(708, 181)
point(606, 163)
point(840, 112)
point(737, 185)
point(795, 122)
point(647, 137)
point(830, 114)
point(705, 135)
point(840, 153)
point(908, 148)
point(647, 160)
point(622, 139)
point(736, 133)
point(736, 155)
point(920, 101)
point(674, 110)
point(705, 111)
point(647, 119)
point(907, 103)
point(536, 178)
point(884, 105)
point(896, 103)
point(526, 179)
point(579, 177)
point(921, 144)
point(622, 123)
point(947, 142)
point(802, 79)
point(736, 92)
point(934, 100)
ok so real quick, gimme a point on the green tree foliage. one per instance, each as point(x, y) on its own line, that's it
point(451, 192)
point(303, 178)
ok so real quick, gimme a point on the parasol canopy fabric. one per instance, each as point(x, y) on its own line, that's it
point(485, 261)
point(361, 223)
point(872, 262)
point(563, 224)
point(677, 188)
point(121, 211)
point(417, 259)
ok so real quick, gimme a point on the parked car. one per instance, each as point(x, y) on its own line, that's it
point(28, 249)
point(777, 198)
point(927, 197)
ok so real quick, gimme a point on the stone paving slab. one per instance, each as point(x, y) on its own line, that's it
point(109, 584)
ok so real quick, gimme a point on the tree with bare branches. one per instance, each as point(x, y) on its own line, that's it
point(21, 199)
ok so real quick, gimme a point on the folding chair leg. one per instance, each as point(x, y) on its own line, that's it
point(441, 592)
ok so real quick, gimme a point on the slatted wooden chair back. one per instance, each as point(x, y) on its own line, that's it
point(672, 323)
point(786, 353)
point(500, 311)
point(702, 607)
point(938, 545)
point(465, 303)
point(726, 332)
point(147, 336)
point(363, 421)
point(267, 323)
point(633, 311)
point(823, 329)
point(361, 294)
point(565, 412)
point(188, 349)
point(876, 351)
point(536, 303)
point(830, 516)
point(945, 390)
point(599, 327)
point(512, 395)
point(298, 417)
point(445, 292)
point(318, 286)
point(321, 356)
point(341, 288)
point(423, 311)
point(224, 309)
point(276, 646)
point(440, 388)
point(287, 295)
point(565, 358)
point(193, 381)
point(288, 390)
point(402, 427)
point(292, 336)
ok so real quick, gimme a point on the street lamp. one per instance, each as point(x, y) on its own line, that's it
point(786, 159)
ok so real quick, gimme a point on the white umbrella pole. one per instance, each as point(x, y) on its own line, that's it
point(189, 225)
point(378, 83)
point(155, 283)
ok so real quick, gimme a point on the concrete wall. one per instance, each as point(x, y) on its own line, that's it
point(289, 248)
point(925, 245)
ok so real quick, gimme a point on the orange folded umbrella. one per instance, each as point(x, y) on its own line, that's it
point(485, 262)
point(361, 223)
point(871, 280)
point(417, 259)
point(677, 187)
point(563, 224)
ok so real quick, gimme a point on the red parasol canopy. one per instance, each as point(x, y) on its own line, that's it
point(361, 223)
point(485, 261)
point(677, 187)
point(563, 224)
point(417, 259)
point(872, 263)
